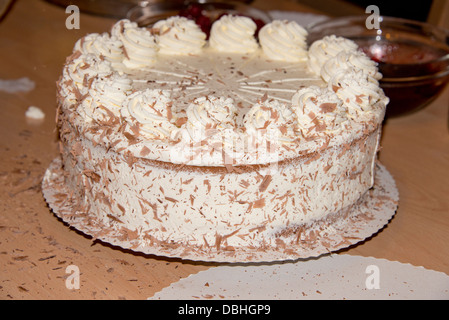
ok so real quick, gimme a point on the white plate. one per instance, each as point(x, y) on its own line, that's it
point(330, 277)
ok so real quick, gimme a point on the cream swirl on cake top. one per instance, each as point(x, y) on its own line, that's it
point(111, 91)
point(318, 110)
point(207, 116)
point(284, 40)
point(359, 91)
point(139, 44)
point(104, 46)
point(347, 60)
point(106, 97)
point(83, 69)
point(328, 47)
point(233, 34)
point(271, 120)
point(179, 36)
point(151, 111)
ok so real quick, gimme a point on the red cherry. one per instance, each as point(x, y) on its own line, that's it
point(195, 10)
point(192, 11)
point(205, 24)
point(259, 23)
point(185, 13)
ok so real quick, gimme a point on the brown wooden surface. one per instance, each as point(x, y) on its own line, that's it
point(36, 248)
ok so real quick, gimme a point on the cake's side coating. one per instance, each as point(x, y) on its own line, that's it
point(195, 205)
point(275, 136)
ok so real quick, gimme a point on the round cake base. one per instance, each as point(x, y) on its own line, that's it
point(370, 215)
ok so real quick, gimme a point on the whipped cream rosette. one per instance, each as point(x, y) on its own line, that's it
point(349, 60)
point(83, 69)
point(139, 44)
point(328, 47)
point(106, 97)
point(151, 111)
point(318, 110)
point(234, 34)
point(360, 93)
point(207, 116)
point(179, 36)
point(271, 120)
point(284, 40)
point(104, 46)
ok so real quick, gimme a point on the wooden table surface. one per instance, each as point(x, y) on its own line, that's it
point(36, 248)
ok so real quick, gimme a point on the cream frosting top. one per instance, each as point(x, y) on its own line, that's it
point(169, 87)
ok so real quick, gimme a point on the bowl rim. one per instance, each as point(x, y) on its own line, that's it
point(403, 21)
point(382, 19)
point(416, 79)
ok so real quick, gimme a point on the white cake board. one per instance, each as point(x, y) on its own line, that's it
point(376, 209)
point(331, 277)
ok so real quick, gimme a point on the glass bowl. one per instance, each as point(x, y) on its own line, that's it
point(204, 12)
point(412, 56)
